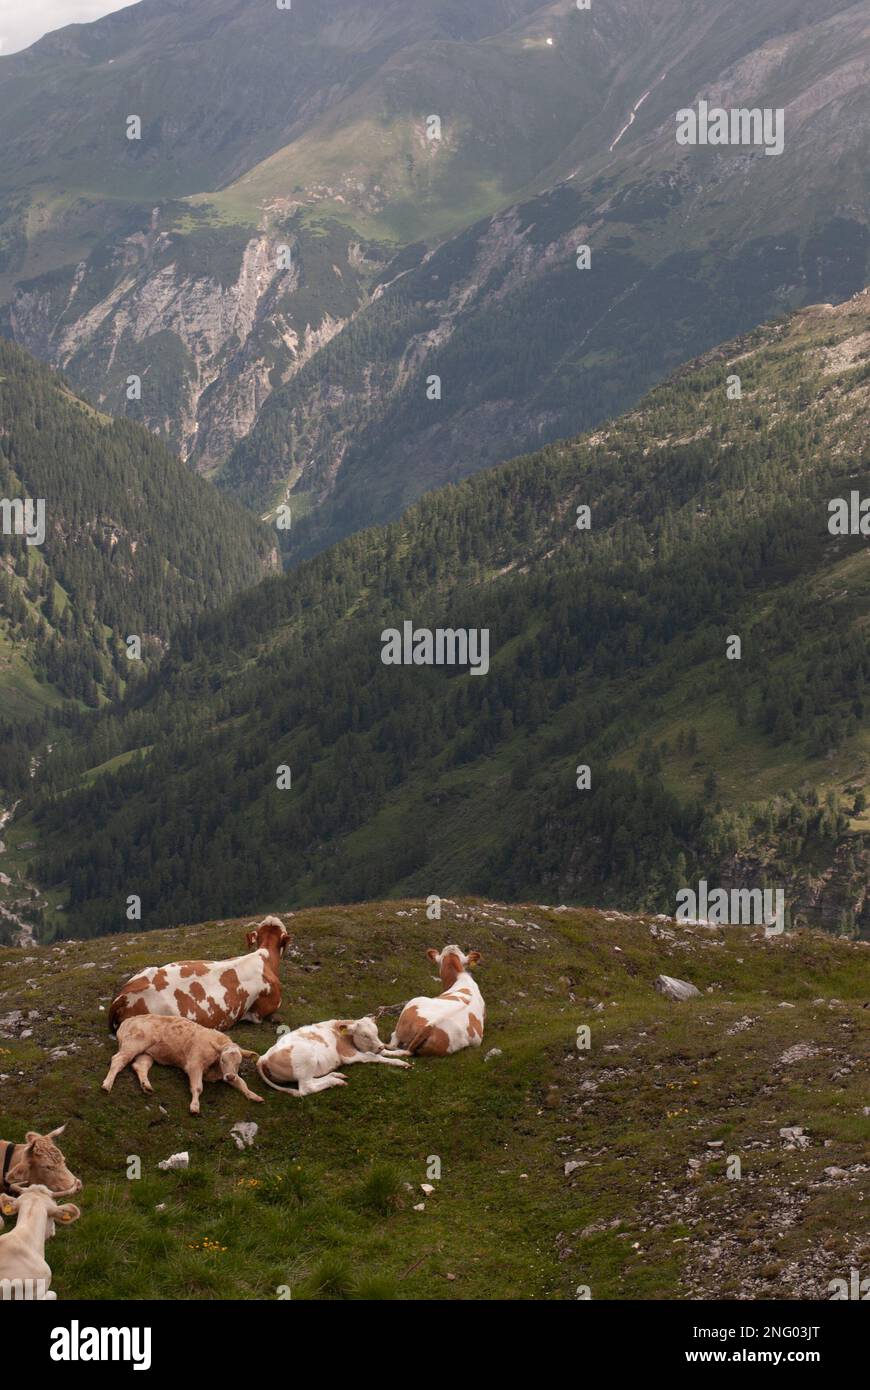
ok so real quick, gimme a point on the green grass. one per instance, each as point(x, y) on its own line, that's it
point(112, 764)
point(22, 696)
point(323, 1205)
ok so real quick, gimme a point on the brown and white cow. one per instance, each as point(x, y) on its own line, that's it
point(38, 1160)
point(311, 1056)
point(23, 1266)
point(217, 994)
point(203, 1053)
point(451, 1021)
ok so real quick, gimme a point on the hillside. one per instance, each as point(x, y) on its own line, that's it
point(189, 66)
point(609, 648)
point(667, 1095)
point(130, 544)
point(412, 257)
point(688, 248)
point(163, 249)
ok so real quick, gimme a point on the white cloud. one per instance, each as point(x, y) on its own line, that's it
point(22, 24)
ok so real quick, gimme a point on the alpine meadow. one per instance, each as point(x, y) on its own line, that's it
point(435, 634)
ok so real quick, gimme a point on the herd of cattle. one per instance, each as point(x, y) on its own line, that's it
point(174, 1014)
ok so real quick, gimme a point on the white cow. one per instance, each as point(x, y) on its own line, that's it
point(24, 1271)
point(451, 1021)
point(310, 1056)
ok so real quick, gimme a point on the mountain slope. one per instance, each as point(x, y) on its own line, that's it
point(689, 246)
point(309, 379)
point(128, 544)
point(609, 647)
point(132, 545)
point(324, 1201)
point(116, 259)
point(218, 84)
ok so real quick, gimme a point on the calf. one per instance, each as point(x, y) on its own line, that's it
point(201, 1052)
point(309, 1056)
point(39, 1161)
point(217, 994)
point(24, 1272)
point(453, 1020)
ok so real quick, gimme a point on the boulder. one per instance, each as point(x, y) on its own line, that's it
point(175, 1162)
point(676, 989)
point(244, 1133)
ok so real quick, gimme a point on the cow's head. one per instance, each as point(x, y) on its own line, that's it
point(363, 1033)
point(270, 935)
point(39, 1162)
point(38, 1194)
point(230, 1060)
point(451, 962)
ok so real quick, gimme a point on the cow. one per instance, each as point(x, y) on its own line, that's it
point(451, 1021)
point(217, 994)
point(202, 1053)
point(310, 1056)
point(24, 1272)
point(38, 1160)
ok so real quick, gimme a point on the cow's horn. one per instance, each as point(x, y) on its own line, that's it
point(23, 1187)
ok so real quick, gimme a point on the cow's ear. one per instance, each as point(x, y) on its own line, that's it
point(8, 1205)
point(31, 1136)
point(344, 1028)
point(67, 1213)
point(432, 954)
point(473, 958)
point(251, 938)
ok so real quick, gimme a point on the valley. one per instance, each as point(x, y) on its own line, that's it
point(608, 646)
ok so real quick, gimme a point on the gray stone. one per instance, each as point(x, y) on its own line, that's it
point(676, 989)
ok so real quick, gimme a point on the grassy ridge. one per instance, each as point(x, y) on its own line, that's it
point(320, 1204)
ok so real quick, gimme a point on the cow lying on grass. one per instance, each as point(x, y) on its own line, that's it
point(39, 1161)
point(453, 1020)
point(217, 994)
point(202, 1053)
point(310, 1056)
point(24, 1272)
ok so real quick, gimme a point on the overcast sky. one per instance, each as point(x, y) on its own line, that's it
point(22, 22)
